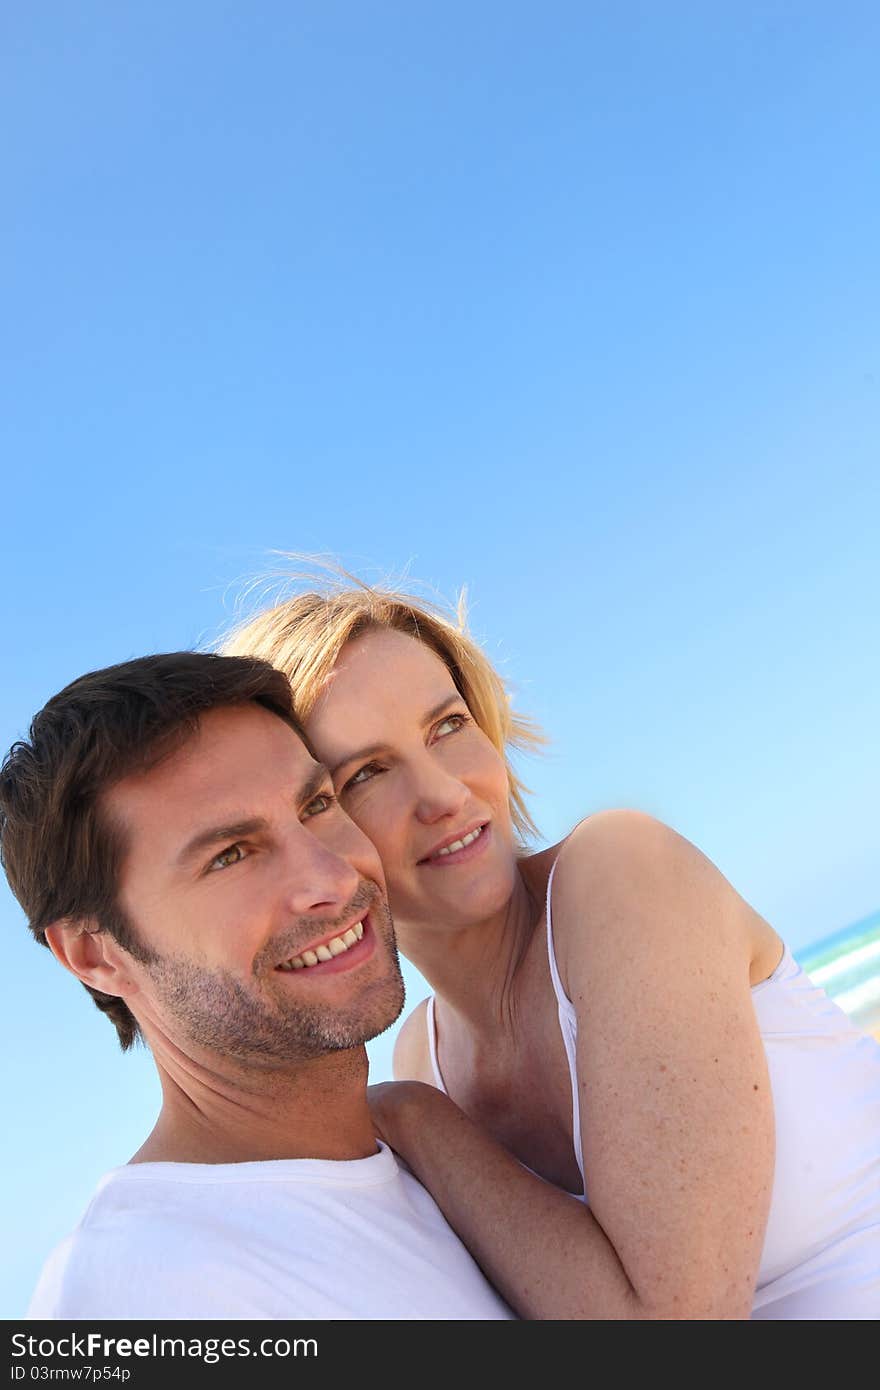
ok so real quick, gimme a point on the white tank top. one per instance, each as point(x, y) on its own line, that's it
point(821, 1255)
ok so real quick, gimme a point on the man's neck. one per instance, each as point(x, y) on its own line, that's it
point(317, 1110)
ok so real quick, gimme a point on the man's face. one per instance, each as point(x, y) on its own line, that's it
point(259, 906)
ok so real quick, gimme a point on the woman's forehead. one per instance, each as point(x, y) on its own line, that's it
point(381, 673)
point(384, 656)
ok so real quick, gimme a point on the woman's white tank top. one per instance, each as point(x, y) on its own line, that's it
point(821, 1257)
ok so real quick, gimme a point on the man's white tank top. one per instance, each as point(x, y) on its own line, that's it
point(821, 1255)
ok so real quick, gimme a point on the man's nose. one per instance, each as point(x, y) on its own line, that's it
point(317, 878)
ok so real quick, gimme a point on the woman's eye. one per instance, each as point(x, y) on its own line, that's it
point(320, 803)
point(233, 855)
point(451, 724)
point(363, 774)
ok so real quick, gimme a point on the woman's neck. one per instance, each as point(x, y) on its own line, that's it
point(475, 968)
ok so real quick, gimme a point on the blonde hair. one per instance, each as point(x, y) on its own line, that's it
point(303, 636)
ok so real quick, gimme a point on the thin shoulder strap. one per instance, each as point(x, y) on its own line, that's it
point(568, 1028)
point(432, 1045)
point(561, 996)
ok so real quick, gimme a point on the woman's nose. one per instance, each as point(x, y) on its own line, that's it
point(438, 794)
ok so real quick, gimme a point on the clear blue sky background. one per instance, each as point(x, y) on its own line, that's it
point(577, 304)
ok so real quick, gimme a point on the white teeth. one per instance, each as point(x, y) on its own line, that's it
point(337, 946)
point(460, 844)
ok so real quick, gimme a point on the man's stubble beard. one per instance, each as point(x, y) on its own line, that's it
point(214, 1010)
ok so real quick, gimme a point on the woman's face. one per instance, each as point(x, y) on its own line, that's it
point(420, 778)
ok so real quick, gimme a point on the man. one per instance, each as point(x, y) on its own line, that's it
point(175, 845)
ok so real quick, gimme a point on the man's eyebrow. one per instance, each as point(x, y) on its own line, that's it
point(240, 829)
point(373, 748)
point(217, 834)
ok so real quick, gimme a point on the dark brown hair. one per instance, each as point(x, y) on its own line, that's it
point(61, 855)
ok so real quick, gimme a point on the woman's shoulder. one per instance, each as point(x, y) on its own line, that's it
point(626, 868)
point(612, 841)
point(412, 1054)
point(596, 851)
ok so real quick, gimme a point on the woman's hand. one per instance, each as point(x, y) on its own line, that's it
point(509, 1218)
point(395, 1106)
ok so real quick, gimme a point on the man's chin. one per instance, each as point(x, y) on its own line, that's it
point(211, 1018)
point(373, 1018)
point(382, 1025)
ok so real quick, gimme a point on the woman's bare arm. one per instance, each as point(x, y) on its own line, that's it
point(539, 1246)
point(676, 1112)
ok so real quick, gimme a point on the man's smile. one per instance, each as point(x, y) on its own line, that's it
point(335, 953)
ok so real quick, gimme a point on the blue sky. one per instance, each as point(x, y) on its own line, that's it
point(574, 304)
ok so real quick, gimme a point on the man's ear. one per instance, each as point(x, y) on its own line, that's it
point(91, 955)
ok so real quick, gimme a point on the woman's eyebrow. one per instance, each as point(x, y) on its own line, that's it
point(372, 749)
point(369, 752)
point(435, 713)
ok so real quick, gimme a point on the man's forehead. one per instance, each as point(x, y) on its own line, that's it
point(234, 751)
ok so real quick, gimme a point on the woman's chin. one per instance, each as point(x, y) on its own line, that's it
point(453, 911)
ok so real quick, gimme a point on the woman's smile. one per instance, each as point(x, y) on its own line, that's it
point(460, 848)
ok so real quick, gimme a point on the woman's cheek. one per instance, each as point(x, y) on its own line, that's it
point(358, 846)
point(372, 817)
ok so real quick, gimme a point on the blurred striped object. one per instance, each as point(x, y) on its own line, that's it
point(847, 966)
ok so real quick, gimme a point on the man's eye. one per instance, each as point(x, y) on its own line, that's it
point(320, 803)
point(233, 855)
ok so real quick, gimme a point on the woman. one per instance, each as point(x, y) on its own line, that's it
point(637, 1105)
